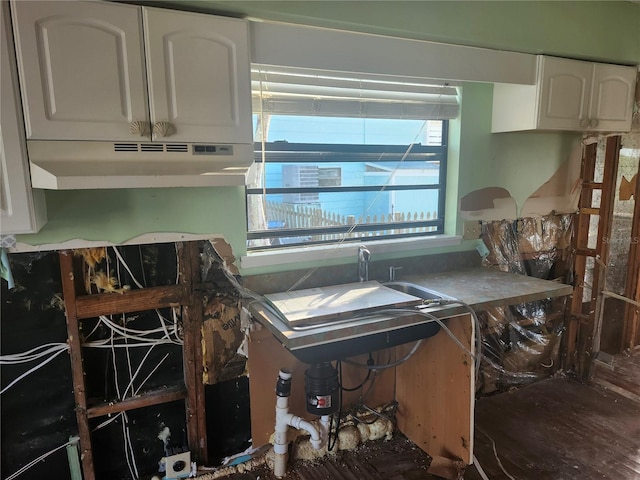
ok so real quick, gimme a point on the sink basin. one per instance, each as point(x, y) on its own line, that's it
point(415, 290)
point(376, 341)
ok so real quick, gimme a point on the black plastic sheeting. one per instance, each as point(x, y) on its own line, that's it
point(38, 412)
point(521, 343)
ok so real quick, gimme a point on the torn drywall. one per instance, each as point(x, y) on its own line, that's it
point(491, 203)
point(559, 194)
point(221, 337)
point(628, 187)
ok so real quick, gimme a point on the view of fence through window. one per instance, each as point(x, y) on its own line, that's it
point(326, 179)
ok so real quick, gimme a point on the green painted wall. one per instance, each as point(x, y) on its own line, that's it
point(519, 162)
point(119, 215)
point(598, 30)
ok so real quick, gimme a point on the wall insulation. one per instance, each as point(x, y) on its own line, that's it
point(521, 343)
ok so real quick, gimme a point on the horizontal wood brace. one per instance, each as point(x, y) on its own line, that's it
point(91, 306)
point(156, 397)
point(592, 185)
point(589, 211)
point(587, 252)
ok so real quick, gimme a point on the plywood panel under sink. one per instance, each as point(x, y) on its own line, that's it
point(318, 305)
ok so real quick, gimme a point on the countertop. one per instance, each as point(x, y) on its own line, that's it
point(479, 288)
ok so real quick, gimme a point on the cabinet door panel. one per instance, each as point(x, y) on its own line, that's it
point(198, 71)
point(81, 68)
point(565, 94)
point(21, 209)
point(612, 97)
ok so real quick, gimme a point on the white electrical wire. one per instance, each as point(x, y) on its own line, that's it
point(33, 462)
point(133, 377)
point(432, 318)
point(125, 425)
point(495, 453)
point(137, 390)
point(479, 468)
point(124, 264)
point(30, 371)
point(133, 333)
point(33, 354)
point(105, 344)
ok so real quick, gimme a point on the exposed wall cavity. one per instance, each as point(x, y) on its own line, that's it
point(521, 342)
point(38, 412)
point(222, 332)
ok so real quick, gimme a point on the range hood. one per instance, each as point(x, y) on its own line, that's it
point(78, 165)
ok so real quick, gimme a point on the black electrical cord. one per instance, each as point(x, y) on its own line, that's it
point(358, 387)
point(330, 445)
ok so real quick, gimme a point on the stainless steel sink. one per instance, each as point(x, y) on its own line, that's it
point(369, 342)
point(415, 290)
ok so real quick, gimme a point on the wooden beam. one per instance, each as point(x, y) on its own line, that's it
point(192, 319)
point(591, 337)
point(91, 306)
point(77, 369)
point(166, 395)
point(580, 243)
point(589, 211)
point(632, 288)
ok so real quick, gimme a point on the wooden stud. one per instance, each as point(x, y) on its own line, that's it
point(157, 397)
point(77, 370)
point(189, 255)
point(592, 339)
point(91, 306)
point(630, 337)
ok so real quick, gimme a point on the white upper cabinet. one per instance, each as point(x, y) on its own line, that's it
point(569, 95)
point(21, 209)
point(84, 74)
point(81, 69)
point(199, 80)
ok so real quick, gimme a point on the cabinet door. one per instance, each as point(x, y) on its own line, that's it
point(564, 95)
point(81, 69)
point(612, 97)
point(199, 77)
point(21, 211)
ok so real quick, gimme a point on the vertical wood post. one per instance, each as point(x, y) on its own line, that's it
point(189, 256)
point(77, 369)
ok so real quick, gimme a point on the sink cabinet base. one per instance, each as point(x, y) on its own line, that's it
point(434, 389)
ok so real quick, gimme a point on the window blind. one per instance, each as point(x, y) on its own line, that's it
point(280, 91)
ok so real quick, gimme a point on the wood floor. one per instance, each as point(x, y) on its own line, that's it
point(556, 429)
point(622, 375)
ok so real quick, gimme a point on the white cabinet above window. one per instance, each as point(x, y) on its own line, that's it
point(569, 95)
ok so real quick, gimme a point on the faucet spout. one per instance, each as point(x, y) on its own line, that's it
point(364, 255)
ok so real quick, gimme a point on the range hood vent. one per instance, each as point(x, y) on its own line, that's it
point(77, 165)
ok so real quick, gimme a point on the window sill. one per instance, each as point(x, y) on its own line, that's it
point(323, 252)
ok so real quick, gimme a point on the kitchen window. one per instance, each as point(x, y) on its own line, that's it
point(343, 159)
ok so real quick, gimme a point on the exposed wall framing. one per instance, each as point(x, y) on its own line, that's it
point(186, 294)
point(583, 330)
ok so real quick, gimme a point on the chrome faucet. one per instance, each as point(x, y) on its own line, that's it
point(392, 273)
point(364, 255)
